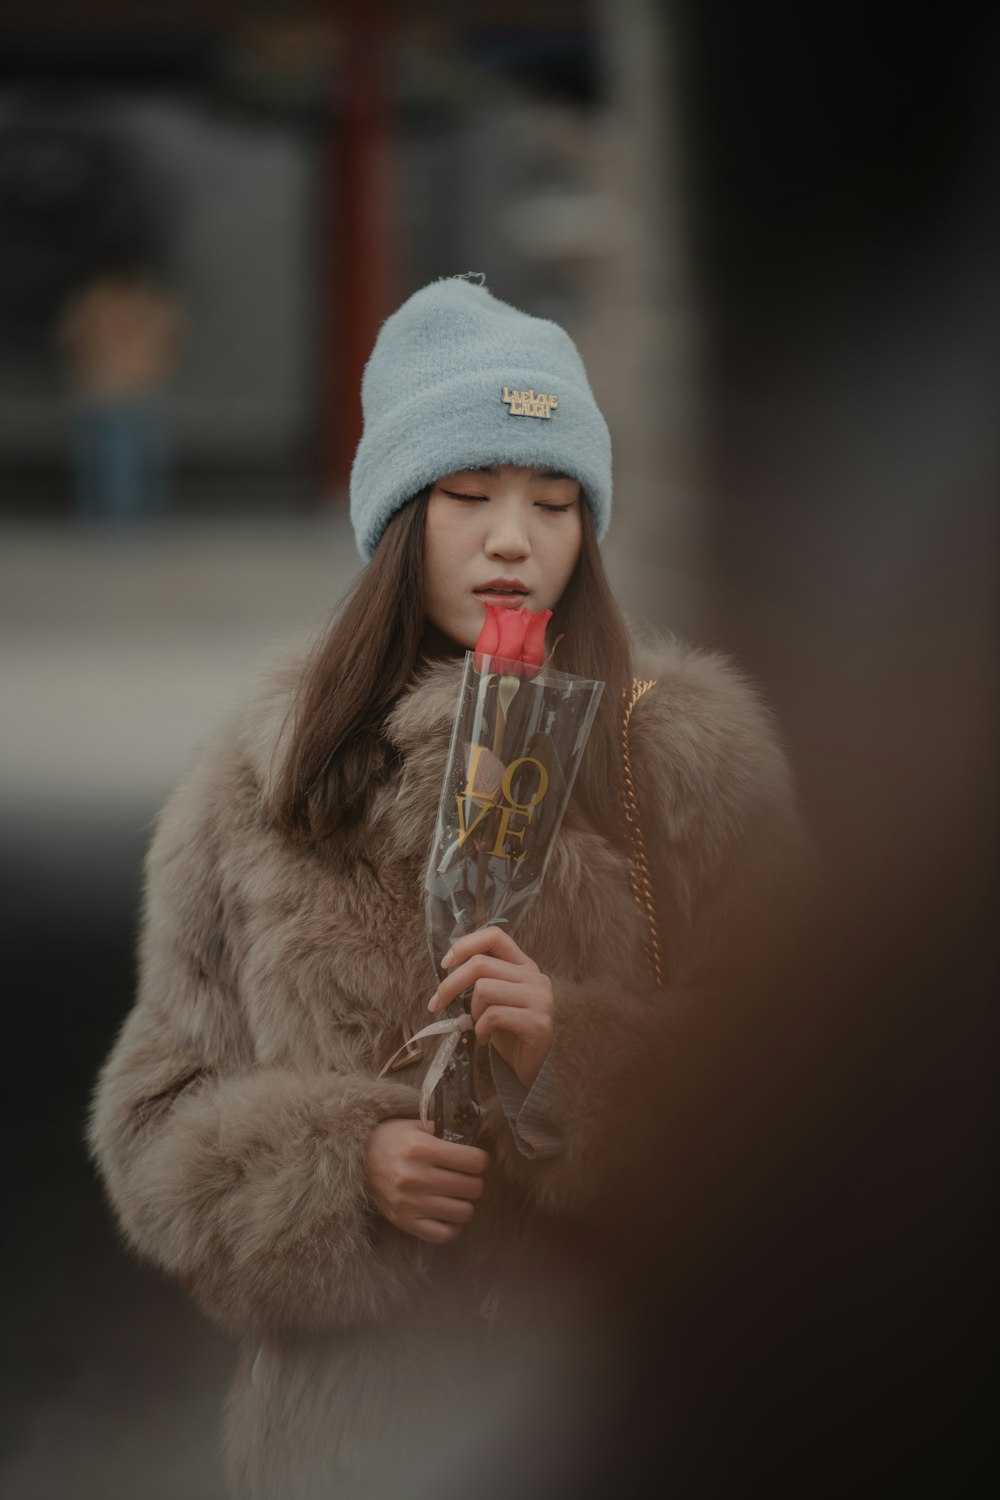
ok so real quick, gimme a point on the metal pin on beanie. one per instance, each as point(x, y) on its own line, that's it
point(528, 404)
point(459, 379)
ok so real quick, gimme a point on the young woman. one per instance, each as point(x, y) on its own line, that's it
point(405, 1304)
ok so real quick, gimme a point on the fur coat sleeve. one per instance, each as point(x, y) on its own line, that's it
point(730, 862)
point(241, 1176)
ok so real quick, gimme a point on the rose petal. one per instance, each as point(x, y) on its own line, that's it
point(513, 624)
point(489, 636)
point(534, 641)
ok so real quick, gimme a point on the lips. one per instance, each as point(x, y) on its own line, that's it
point(509, 591)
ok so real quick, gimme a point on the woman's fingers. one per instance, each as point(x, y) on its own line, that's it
point(453, 1185)
point(413, 1186)
point(489, 940)
point(452, 1203)
point(480, 966)
point(449, 1156)
point(448, 1213)
point(433, 1231)
point(526, 1025)
point(422, 1185)
point(447, 1210)
point(500, 992)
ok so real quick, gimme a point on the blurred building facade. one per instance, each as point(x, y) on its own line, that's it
point(295, 171)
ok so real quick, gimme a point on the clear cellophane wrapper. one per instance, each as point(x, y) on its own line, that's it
point(515, 749)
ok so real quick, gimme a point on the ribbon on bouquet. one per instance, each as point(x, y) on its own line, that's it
point(449, 1030)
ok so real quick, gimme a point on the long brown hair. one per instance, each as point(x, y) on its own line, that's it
point(338, 751)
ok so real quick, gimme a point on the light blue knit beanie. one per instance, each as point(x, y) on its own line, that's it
point(458, 379)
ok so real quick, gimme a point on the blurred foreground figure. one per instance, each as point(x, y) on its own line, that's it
point(121, 333)
point(418, 1315)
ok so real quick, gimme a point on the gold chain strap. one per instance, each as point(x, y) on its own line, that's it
point(640, 875)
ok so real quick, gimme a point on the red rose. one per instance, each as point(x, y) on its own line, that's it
point(516, 637)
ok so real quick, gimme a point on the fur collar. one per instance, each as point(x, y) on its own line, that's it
point(427, 707)
point(698, 687)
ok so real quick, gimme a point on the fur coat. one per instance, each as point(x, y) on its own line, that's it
point(230, 1121)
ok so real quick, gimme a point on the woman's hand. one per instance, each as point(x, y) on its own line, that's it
point(513, 1005)
point(426, 1187)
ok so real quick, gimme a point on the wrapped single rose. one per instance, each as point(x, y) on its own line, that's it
point(519, 733)
point(513, 639)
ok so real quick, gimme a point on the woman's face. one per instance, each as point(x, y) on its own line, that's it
point(505, 535)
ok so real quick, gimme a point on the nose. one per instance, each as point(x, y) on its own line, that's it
point(507, 537)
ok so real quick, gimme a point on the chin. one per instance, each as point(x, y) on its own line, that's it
point(466, 632)
point(450, 637)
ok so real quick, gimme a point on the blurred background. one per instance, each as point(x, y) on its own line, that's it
point(774, 235)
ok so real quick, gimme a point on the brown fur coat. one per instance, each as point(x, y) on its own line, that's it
point(230, 1121)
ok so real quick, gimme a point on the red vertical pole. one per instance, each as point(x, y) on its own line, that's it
point(358, 264)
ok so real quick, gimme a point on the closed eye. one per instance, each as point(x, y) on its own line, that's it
point(540, 504)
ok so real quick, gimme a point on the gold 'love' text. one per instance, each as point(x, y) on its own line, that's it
point(503, 800)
